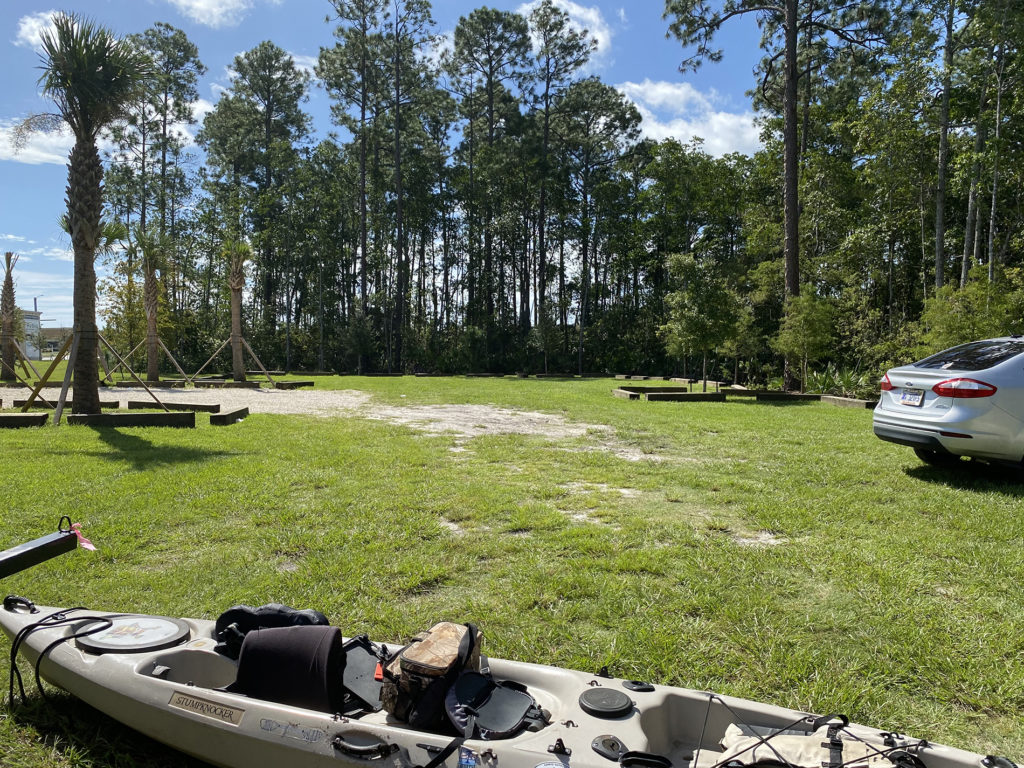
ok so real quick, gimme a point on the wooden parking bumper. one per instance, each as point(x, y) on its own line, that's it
point(225, 384)
point(184, 420)
point(292, 384)
point(228, 417)
point(686, 397)
point(667, 394)
point(162, 384)
point(196, 407)
point(848, 402)
point(786, 397)
point(20, 420)
point(69, 405)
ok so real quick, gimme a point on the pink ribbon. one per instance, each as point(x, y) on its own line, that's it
point(83, 542)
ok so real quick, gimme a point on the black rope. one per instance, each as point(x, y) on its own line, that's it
point(760, 739)
point(57, 619)
point(890, 752)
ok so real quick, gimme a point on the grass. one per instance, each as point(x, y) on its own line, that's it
point(892, 594)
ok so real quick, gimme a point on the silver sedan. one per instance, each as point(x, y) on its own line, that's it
point(964, 401)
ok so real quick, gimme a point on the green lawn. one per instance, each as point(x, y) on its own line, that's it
point(883, 588)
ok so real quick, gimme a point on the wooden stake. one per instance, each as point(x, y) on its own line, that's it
point(46, 376)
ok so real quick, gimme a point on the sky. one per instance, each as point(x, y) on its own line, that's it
point(633, 54)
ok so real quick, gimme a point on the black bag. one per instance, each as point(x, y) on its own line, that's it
point(481, 707)
point(236, 622)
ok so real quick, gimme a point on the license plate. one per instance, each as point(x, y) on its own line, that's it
point(911, 397)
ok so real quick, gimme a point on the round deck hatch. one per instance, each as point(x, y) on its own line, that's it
point(133, 633)
point(605, 702)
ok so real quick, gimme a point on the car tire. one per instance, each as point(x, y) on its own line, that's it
point(937, 458)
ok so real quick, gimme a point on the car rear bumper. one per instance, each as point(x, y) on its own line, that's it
point(915, 438)
point(978, 437)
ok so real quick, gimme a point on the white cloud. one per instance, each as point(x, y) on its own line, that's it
point(214, 13)
point(52, 253)
point(305, 63)
point(442, 43)
point(680, 111)
point(15, 238)
point(31, 28)
point(623, 19)
point(581, 17)
point(41, 148)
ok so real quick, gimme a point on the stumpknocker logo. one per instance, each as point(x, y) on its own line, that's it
point(206, 708)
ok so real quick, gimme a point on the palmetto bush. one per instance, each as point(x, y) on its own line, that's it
point(844, 383)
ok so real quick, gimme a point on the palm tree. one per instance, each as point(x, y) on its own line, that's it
point(92, 77)
point(7, 353)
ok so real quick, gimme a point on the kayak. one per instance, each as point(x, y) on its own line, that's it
point(165, 678)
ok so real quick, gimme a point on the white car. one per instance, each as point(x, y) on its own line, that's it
point(964, 401)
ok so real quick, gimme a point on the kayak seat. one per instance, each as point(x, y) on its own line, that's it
point(481, 707)
point(299, 666)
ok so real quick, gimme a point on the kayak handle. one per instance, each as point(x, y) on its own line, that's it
point(369, 751)
point(643, 760)
point(18, 604)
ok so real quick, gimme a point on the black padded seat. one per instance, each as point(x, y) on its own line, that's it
point(299, 666)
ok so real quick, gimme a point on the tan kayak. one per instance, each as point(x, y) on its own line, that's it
point(163, 677)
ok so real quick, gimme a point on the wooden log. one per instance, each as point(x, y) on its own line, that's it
point(162, 384)
point(848, 402)
point(625, 394)
point(228, 417)
point(186, 419)
point(19, 420)
point(786, 397)
point(223, 384)
point(197, 407)
point(292, 384)
point(643, 390)
point(698, 397)
point(69, 405)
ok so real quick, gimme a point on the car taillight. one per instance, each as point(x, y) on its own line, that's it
point(963, 388)
point(885, 385)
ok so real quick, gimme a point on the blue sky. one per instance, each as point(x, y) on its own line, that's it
point(633, 55)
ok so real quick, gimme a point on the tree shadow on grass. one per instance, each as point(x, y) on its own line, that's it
point(85, 736)
point(971, 475)
point(142, 454)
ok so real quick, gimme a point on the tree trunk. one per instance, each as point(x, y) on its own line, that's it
point(791, 168)
point(972, 202)
point(8, 356)
point(995, 170)
point(150, 295)
point(236, 282)
point(85, 203)
point(940, 192)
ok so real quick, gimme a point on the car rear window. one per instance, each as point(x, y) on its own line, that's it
point(976, 356)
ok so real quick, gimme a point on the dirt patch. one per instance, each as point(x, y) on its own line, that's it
point(465, 421)
point(759, 539)
point(626, 493)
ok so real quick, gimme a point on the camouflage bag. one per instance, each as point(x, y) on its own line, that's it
point(417, 679)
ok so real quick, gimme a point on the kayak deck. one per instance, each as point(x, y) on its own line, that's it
point(172, 695)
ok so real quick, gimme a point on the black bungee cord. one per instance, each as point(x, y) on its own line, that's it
point(57, 619)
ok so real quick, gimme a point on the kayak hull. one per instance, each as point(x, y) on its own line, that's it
point(172, 695)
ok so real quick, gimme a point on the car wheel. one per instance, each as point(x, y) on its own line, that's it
point(937, 458)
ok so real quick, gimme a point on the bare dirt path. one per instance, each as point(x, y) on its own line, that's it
point(465, 421)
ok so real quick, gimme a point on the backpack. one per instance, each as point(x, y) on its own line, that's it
point(417, 679)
